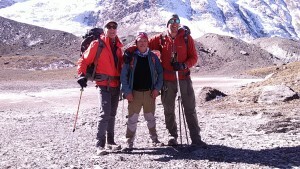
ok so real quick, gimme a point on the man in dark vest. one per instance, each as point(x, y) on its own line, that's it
point(141, 79)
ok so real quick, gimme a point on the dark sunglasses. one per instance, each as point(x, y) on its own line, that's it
point(111, 26)
point(172, 21)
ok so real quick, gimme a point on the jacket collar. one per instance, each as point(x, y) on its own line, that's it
point(145, 54)
point(117, 41)
point(179, 33)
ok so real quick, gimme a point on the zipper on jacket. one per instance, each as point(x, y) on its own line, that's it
point(174, 53)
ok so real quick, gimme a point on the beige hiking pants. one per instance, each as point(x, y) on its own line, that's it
point(141, 99)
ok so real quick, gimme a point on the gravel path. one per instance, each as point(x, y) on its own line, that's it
point(36, 132)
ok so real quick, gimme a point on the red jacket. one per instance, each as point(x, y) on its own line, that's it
point(184, 55)
point(106, 63)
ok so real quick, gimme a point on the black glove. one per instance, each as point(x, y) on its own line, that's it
point(178, 66)
point(82, 81)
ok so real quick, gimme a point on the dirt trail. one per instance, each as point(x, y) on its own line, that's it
point(36, 132)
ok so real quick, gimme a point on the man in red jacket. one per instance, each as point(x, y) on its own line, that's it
point(108, 82)
point(176, 55)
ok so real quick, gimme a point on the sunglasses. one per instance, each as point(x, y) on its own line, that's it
point(111, 26)
point(172, 21)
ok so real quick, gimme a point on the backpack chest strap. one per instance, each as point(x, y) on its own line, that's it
point(102, 77)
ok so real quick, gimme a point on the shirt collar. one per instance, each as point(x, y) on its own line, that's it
point(145, 54)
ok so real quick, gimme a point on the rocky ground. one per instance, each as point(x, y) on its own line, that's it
point(250, 127)
point(38, 109)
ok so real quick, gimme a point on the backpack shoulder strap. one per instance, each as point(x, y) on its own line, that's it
point(152, 55)
point(186, 39)
point(187, 32)
point(162, 40)
point(99, 50)
point(131, 63)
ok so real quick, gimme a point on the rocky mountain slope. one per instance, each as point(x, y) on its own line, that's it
point(242, 19)
point(218, 54)
point(286, 50)
point(28, 40)
point(227, 55)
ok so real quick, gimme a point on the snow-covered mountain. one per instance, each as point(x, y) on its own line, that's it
point(239, 18)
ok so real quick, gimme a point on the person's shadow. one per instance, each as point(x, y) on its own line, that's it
point(281, 157)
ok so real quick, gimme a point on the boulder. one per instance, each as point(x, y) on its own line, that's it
point(209, 93)
point(277, 93)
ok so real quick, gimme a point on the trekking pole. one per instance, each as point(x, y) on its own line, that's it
point(180, 107)
point(123, 108)
point(123, 100)
point(76, 117)
point(184, 123)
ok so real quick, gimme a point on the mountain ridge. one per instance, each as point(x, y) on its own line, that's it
point(24, 39)
point(40, 48)
point(241, 19)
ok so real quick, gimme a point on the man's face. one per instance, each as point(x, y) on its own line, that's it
point(111, 30)
point(173, 25)
point(142, 44)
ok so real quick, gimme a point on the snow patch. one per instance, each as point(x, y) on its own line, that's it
point(34, 42)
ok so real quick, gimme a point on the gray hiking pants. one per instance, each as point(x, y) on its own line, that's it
point(169, 93)
point(108, 99)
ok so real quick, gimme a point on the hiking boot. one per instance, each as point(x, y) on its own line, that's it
point(172, 142)
point(101, 151)
point(100, 143)
point(128, 148)
point(199, 144)
point(157, 143)
point(113, 146)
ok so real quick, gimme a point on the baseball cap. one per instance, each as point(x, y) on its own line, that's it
point(141, 35)
point(111, 23)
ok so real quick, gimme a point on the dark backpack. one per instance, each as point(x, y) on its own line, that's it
point(91, 35)
point(187, 32)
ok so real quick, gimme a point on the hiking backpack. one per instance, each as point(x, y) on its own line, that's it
point(91, 35)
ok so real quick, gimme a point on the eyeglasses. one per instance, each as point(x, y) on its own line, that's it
point(172, 21)
point(111, 26)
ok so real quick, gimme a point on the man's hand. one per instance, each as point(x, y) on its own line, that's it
point(82, 81)
point(178, 66)
point(129, 97)
point(154, 93)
